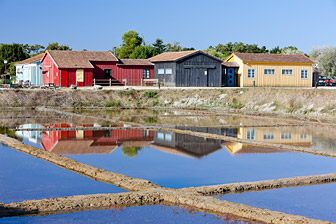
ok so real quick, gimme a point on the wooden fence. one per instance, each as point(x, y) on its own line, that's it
point(126, 82)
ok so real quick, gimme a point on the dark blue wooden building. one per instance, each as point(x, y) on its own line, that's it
point(188, 68)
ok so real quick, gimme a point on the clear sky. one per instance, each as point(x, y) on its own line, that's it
point(99, 24)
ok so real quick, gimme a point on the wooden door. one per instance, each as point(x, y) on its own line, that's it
point(230, 77)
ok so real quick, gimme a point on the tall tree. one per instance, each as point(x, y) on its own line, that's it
point(159, 46)
point(130, 40)
point(56, 46)
point(12, 53)
point(173, 47)
point(143, 52)
point(36, 49)
point(325, 57)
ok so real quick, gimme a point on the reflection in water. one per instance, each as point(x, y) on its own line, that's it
point(32, 136)
point(133, 140)
point(187, 145)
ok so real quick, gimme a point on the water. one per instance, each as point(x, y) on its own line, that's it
point(144, 214)
point(23, 177)
point(178, 160)
point(317, 202)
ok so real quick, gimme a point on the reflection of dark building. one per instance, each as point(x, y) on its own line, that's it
point(187, 145)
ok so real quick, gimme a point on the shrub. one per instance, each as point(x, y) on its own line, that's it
point(150, 94)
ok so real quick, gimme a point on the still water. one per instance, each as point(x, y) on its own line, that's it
point(317, 202)
point(144, 214)
point(178, 160)
point(23, 177)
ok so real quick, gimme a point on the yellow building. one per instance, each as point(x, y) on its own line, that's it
point(267, 70)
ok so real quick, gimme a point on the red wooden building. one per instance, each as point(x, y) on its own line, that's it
point(81, 68)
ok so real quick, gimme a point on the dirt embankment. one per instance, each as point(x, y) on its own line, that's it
point(310, 102)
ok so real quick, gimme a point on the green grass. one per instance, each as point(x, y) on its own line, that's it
point(112, 104)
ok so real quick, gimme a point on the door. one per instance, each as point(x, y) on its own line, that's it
point(230, 77)
point(201, 76)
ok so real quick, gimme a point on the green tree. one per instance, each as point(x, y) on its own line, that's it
point(291, 50)
point(130, 40)
point(131, 151)
point(56, 46)
point(36, 49)
point(173, 47)
point(159, 46)
point(325, 57)
point(12, 53)
point(276, 50)
point(143, 52)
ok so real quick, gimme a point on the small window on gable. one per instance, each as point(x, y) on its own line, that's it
point(304, 74)
point(160, 71)
point(169, 71)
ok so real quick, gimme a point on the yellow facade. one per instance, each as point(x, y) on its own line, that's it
point(262, 80)
point(275, 136)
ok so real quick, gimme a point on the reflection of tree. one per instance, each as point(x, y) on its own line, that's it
point(131, 151)
point(7, 131)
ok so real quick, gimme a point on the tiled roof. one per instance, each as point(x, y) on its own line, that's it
point(135, 62)
point(171, 56)
point(78, 147)
point(80, 59)
point(273, 57)
point(230, 64)
point(31, 60)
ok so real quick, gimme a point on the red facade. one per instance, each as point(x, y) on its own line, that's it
point(99, 137)
point(65, 77)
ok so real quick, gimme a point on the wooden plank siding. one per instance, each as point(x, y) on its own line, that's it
point(277, 80)
point(289, 136)
point(167, 80)
point(194, 70)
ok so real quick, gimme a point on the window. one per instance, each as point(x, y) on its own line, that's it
point(168, 137)
point(304, 74)
point(146, 74)
point(286, 135)
point(169, 71)
point(287, 72)
point(251, 73)
point(160, 71)
point(303, 136)
point(160, 136)
point(250, 134)
point(269, 71)
point(107, 73)
point(145, 133)
point(268, 136)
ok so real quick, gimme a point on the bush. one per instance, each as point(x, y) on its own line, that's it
point(150, 94)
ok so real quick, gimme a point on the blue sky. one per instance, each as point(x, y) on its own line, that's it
point(99, 24)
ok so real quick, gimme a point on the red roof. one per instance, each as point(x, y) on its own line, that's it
point(31, 60)
point(230, 64)
point(79, 59)
point(273, 57)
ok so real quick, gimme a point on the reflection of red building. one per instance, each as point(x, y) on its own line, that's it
point(90, 141)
